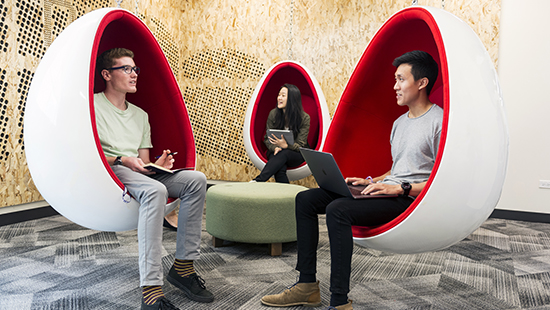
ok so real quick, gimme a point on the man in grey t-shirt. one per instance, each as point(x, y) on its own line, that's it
point(414, 142)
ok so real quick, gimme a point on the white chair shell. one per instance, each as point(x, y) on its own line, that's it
point(62, 154)
point(467, 180)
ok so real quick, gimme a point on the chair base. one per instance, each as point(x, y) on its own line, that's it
point(274, 249)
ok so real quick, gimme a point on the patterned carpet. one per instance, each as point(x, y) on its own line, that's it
point(51, 263)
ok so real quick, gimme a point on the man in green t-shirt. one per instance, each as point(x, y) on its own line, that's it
point(125, 137)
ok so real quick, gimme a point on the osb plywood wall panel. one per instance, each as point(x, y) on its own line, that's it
point(218, 50)
point(326, 36)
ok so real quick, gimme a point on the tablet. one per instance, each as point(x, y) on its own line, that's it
point(287, 134)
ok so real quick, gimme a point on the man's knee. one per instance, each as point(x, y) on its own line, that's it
point(156, 190)
point(337, 213)
point(301, 198)
point(194, 179)
point(198, 177)
point(305, 201)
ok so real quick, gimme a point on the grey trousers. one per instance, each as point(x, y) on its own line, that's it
point(152, 193)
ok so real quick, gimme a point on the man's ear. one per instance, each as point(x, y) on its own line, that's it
point(423, 83)
point(106, 74)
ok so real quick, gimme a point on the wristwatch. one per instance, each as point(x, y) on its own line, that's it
point(118, 161)
point(406, 186)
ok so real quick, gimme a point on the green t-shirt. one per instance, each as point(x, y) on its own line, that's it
point(121, 133)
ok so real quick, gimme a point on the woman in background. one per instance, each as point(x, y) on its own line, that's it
point(289, 114)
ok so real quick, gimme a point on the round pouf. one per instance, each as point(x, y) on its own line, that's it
point(252, 213)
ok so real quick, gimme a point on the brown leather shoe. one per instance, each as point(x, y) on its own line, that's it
point(305, 294)
point(347, 306)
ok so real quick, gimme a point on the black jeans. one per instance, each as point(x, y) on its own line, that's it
point(276, 165)
point(341, 214)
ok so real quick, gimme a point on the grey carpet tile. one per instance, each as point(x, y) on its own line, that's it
point(532, 263)
point(459, 295)
point(368, 268)
point(534, 290)
point(491, 238)
point(18, 301)
point(515, 228)
point(420, 286)
point(492, 281)
point(478, 251)
point(52, 263)
point(67, 253)
point(529, 243)
point(71, 299)
point(14, 230)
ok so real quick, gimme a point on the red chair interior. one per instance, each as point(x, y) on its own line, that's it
point(359, 133)
point(158, 92)
point(291, 73)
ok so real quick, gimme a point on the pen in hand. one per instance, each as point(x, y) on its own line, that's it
point(174, 153)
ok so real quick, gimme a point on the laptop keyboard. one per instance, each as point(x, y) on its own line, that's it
point(356, 190)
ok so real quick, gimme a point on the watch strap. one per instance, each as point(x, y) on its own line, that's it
point(406, 186)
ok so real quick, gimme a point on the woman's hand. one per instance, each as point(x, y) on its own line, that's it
point(166, 160)
point(281, 143)
point(277, 150)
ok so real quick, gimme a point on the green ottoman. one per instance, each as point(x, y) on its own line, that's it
point(252, 213)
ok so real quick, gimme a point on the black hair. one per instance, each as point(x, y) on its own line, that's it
point(422, 65)
point(292, 116)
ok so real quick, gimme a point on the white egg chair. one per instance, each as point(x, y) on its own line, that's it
point(466, 182)
point(264, 99)
point(64, 155)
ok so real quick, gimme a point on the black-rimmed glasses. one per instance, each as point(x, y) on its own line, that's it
point(127, 69)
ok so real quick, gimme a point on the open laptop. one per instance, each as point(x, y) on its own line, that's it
point(329, 177)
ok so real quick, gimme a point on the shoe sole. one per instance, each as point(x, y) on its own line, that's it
point(305, 304)
point(187, 292)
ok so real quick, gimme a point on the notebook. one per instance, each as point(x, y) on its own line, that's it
point(329, 177)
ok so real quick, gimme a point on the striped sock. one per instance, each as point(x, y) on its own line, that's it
point(184, 267)
point(151, 294)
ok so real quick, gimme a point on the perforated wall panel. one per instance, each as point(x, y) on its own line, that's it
point(217, 116)
point(25, 78)
point(222, 64)
point(217, 113)
point(3, 26)
point(167, 43)
point(30, 37)
point(4, 128)
point(58, 14)
point(82, 6)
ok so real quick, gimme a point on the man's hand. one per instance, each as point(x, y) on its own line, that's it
point(166, 160)
point(136, 164)
point(375, 188)
point(358, 181)
point(382, 189)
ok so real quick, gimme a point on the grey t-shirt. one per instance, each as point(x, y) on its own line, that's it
point(414, 144)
